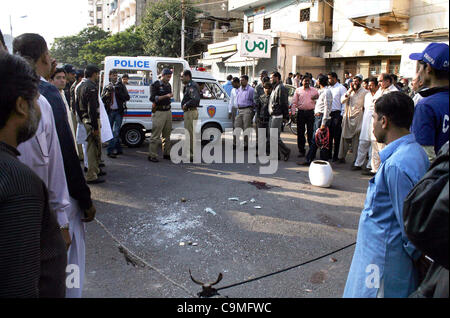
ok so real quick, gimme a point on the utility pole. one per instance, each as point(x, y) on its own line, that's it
point(182, 29)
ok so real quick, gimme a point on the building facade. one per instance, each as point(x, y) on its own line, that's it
point(300, 32)
point(378, 37)
point(116, 15)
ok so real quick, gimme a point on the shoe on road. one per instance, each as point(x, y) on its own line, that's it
point(355, 168)
point(111, 155)
point(96, 181)
point(153, 159)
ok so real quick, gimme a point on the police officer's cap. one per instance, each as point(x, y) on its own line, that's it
point(166, 71)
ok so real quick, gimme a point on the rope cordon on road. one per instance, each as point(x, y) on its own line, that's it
point(207, 289)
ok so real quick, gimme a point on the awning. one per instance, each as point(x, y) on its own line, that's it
point(238, 61)
point(216, 58)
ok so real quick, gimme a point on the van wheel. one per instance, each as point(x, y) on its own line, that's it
point(214, 128)
point(132, 135)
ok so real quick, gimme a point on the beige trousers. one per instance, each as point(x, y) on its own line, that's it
point(189, 117)
point(244, 120)
point(376, 161)
point(161, 125)
point(344, 146)
point(93, 146)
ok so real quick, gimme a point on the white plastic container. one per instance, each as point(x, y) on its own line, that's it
point(320, 174)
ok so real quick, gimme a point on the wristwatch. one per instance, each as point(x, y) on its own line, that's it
point(64, 227)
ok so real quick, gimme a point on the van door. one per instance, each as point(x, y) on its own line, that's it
point(214, 102)
point(139, 106)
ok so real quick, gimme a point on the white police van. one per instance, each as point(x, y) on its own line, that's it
point(143, 71)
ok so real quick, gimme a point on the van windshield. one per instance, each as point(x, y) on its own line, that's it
point(210, 91)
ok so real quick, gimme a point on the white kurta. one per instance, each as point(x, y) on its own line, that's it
point(63, 96)
point(366, 127)
point(42, 154)
point(380, 92)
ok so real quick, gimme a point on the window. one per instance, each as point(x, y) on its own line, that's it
point(250, 28)
point(375, 67)
point(99, 8)
point(175, 81)
point(305, 14)
point(394, 66)
point(99, 21)
point(266, 24)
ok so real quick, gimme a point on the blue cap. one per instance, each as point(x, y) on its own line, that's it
point(436, 54)
point(166, 71)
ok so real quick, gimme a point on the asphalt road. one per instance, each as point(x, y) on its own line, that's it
point(141, 205)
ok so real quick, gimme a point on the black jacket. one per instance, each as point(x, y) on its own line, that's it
point(78, 189)
point(86, 103)
point(425, 215)
point(121, 93)
point(263, 111)
point(279, 99)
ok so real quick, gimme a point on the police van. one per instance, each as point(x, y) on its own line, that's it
point(143, 71)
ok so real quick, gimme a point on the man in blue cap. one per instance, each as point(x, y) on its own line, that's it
point(161, 96)
point(431, 118)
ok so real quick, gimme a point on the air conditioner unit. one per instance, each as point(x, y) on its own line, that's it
point(313, 31)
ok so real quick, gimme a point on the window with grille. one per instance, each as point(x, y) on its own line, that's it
point(266, 24)
point(304, 14)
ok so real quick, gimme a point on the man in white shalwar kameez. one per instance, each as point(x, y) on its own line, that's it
point(364, 146)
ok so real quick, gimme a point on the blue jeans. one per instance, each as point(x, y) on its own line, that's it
point(115, 119)
point(324, 153)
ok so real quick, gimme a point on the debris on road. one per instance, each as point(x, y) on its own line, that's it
point(233, 199)
point(211, 211)
point(260, 185)
point(183, 200)
point(182, 243)
point(333, 260)
point(257, 207)
point(252, 200)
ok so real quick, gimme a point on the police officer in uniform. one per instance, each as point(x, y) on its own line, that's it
point(189, 104)
point(160, 96)
point(88, 110)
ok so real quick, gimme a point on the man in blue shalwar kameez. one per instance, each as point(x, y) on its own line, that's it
point(383, 262)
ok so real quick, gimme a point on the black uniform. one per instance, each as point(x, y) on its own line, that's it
point(159, 88)
point(191, 98)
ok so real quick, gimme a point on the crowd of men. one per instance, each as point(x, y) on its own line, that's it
point(46, 113)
